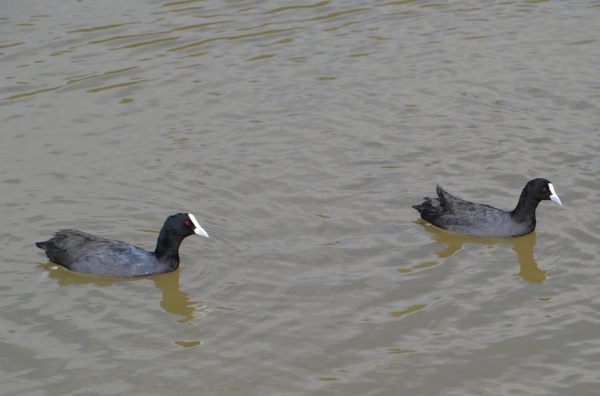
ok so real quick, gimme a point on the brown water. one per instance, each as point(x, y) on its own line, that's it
point(300, 134)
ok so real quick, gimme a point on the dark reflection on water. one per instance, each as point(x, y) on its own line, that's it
point(174, 300)
point(523, 246)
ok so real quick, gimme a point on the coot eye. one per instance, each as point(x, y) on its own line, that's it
point(187, 223)
point(544, 189)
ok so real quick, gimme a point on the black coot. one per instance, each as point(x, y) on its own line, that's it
point(87, 253)
point(464, 217)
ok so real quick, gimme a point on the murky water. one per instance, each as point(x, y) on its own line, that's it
point(300, 134)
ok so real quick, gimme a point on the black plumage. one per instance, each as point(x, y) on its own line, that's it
point(469, 218)
point(82, 252)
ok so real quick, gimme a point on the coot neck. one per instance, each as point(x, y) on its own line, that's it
point(525, 210)
point(167, 248)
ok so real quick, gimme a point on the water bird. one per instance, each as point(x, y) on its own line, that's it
point(82, 252)
point(479, 220)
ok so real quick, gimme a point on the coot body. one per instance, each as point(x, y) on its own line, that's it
point(82, 252)
point(469, 218)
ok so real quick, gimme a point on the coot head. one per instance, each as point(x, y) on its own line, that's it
point(540, 190)
point(184, 225)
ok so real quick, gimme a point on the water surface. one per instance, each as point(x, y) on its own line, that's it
point(300, 134)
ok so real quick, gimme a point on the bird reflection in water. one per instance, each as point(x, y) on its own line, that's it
point(523, 246)
point(174, 301)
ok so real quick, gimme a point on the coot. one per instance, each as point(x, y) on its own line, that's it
point(82, 252)
point(464, 217)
